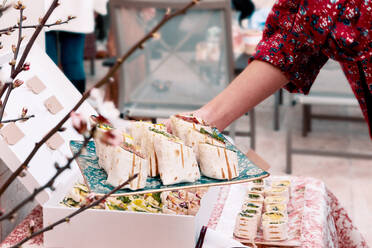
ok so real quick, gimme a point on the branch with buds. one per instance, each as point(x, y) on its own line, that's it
point(106, 79)
point(50, 184)
point(80, 210)
point(10, 30)
point(77, 122)
point(26, 118)
point(22, 66)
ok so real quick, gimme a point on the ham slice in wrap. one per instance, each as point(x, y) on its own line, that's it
point(181, 124)
point(144, 138)
point(218, 162)
point(177, 162)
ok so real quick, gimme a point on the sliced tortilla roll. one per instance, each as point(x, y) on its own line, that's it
point(177, 162)
point(145, 139)
point(181, 124)
point(194, 137)
point(218, 162)
point(139, 129)
point(274, 225)
point(275, 230)
point(277, 191)
point(103, 151)
point(246, 225)
point(124, 165)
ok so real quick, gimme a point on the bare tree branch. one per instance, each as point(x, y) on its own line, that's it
point(20, 38)
point(18, 119)
point(11, 29)
point(50, 183)
point(107, 78)
point(80, 210)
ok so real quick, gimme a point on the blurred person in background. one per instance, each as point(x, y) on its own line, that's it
point(65, 43)
point(244, 7)
point(298, 39)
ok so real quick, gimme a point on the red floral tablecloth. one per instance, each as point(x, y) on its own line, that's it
point(324, 221)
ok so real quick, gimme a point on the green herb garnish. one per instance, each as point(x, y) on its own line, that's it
point(114, 207)
point(258, 181)
point(249, 211)
point(256, 189)
point(70, 202)
point(251, 205)
point(275, 208)
point(213, 135)
point(156, 196)
point(124, 199)
point(253, 196)
point(168, 135)
point(246, 215)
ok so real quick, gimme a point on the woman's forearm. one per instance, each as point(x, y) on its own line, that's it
point(257, 82)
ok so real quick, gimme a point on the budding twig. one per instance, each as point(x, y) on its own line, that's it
point(51, 181)
point(80, 210)
point(9, 30)
point(18, 119)
point(103, 81)
point(19, 37)
point(20, 66)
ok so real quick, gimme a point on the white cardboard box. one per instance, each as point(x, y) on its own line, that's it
point(93, 228)
point(97, 228)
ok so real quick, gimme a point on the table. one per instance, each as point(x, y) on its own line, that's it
point(325, 223)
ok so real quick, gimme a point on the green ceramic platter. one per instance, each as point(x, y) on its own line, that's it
point(95, 177)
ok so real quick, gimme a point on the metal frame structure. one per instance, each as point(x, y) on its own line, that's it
point(223, 5)
point(306, 102)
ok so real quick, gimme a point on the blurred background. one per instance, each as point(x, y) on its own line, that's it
point(195, 56)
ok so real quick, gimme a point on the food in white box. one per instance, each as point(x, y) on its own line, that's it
point(182, 202)
point(177, 162)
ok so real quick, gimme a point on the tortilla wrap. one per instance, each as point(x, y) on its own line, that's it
point(176, 161)
point(218, 162)
point(124, 165)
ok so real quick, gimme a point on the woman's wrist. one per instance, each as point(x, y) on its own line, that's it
point(207, 114)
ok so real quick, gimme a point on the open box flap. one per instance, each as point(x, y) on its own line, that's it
point(41, 167)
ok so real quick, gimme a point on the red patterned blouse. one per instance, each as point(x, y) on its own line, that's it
point(301, 35)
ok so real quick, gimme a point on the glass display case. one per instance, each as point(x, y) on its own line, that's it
point(186, 64)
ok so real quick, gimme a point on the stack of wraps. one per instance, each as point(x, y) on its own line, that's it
point(215, 160)
point(274, 225)
point(176, 161)
point(121, 162)
point(249, 218)
point(144, 138)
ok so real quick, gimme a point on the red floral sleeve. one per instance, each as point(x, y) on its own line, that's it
point(292, 42)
